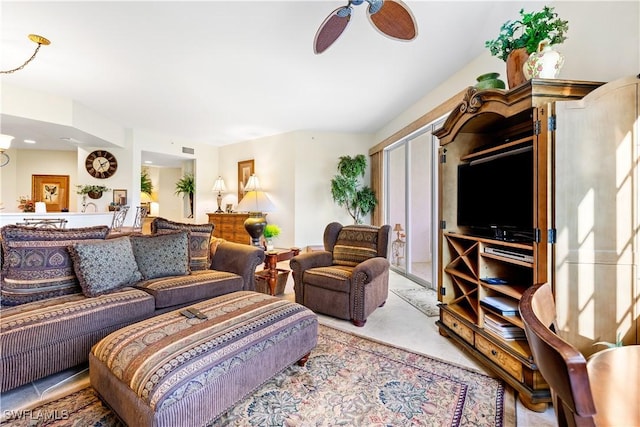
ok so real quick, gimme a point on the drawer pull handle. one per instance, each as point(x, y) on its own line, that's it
point(494, 353)
point(455, 325)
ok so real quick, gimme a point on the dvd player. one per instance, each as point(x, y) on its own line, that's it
point(509, 254)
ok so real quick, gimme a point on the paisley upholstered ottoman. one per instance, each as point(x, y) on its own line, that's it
point(174, 370)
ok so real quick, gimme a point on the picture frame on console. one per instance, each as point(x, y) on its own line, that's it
point(245, 170)
point(120, 197)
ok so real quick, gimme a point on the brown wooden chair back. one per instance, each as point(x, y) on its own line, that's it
point(563, 367)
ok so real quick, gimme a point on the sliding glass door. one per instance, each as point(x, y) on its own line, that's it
point(411, 189)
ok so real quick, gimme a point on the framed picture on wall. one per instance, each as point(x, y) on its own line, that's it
point(245, 170)
point(120, 197)
point(53, 190)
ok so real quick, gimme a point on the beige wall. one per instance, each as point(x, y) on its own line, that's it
point(295, 170)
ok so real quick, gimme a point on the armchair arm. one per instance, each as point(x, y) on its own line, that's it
point(239, 259)
point(371, 268)
point(305, 261)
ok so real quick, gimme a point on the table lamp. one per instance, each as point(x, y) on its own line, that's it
point(219, 187)
point(256, 202)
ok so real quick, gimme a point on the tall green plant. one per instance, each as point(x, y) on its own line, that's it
point(346, 187)
point(146, 186)
point(186, 186)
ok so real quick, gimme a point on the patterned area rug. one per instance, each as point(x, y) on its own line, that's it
point(348, 380)
point(421, 298)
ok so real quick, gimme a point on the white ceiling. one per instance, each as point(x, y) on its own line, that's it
point(219, 72)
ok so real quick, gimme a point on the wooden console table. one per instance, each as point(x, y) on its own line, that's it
point(271, 259)
point(230, 226)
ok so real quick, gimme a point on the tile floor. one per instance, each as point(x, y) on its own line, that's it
point(397, 323)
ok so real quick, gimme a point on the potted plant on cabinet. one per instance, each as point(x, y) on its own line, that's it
point(520, 38)
point(186, 186)
point(346, 190)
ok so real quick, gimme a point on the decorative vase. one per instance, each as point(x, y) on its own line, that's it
point(489, 81)
point(269, 243)
point(515, 62)
point(545, 63)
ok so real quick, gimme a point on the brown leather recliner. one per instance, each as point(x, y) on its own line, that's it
point(350, 278)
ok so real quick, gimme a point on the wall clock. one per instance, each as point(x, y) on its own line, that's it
point(101, 164)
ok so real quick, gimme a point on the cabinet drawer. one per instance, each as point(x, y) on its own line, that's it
point(500, 357)
point(456, 325)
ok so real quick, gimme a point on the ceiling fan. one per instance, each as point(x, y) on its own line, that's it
point(391, 17)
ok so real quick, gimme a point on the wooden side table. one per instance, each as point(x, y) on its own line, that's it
point(271, 260)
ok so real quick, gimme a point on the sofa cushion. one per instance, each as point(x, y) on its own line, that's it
point(104, 266)
point(41, 323)
point(37, 264)
point(199, 238)
point(355, 244)
point(335, 278)
point(162, 255)
point(199, 285)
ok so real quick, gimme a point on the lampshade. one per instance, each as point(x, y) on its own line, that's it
point(255, 201)
point(397, 227)
point(253, 184)
point(5, 142)
point(218, 186)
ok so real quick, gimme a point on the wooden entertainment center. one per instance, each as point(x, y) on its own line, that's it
point(485, 124)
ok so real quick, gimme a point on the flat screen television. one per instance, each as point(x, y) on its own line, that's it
point(495, 195)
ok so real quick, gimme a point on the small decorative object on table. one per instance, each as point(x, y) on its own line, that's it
point(26, 204)
point(489, 81)
point(520, 38)
point(271, 231)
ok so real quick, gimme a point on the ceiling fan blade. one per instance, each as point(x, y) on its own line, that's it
point(394, 20)
point(331, 29)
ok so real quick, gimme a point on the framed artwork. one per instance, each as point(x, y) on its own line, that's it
point(120, 197)
point(245, 170)
point(53, 190)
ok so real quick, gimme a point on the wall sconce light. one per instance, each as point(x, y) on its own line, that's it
point(39, 40)
point(219, 187)
point(5, 143)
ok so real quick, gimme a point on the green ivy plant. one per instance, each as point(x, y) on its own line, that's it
point(86, 189)
point(186, 186)
point(346, 187)
point(528, 32)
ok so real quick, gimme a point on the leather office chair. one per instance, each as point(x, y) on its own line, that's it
point(562, 366)
point(350, 278)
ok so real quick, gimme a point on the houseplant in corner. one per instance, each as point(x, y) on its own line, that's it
point(346, 190)
point(186, 186)
point(520, 38)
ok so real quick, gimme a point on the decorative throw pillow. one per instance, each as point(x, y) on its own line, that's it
point(104, 266)
point(213, 245)
point(36, 261)
point(199, 238)
point(162, 255)
point(355, 243)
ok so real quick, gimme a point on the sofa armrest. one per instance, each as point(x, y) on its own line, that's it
point(239, 259)
point(305, 261)
point(371, 268)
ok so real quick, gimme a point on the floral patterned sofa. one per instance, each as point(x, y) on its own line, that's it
point(62, 290)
